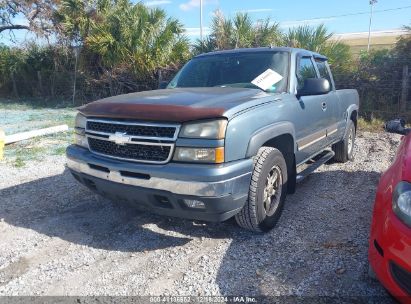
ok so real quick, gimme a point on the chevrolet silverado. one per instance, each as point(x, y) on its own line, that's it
point(230, 135)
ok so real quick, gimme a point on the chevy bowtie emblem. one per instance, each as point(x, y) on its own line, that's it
point(120, 138)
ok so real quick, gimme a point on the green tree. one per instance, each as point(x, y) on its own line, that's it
point(136, 36)
point(122, 37)
point(238, 32)
point(318, 39)
point(73, 20)
point(11, 63)
point(403, 46)
point(37, 15)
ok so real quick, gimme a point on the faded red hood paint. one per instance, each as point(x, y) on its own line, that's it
point(173, 105)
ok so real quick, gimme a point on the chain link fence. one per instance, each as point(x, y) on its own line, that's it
point(384, 93)
point(58, 86)
point(385, 97)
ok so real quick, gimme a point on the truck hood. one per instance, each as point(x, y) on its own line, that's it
point(177, 105)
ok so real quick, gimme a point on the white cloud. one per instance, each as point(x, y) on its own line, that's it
point(195, 31)
point(256, 10)
point(156, 2)
point(195, 3)
point(288, 24)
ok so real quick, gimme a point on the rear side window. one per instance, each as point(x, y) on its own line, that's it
point(324, 72)
point(305, 69)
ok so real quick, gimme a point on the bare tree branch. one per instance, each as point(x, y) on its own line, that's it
point(14, 27)
point(37, 13)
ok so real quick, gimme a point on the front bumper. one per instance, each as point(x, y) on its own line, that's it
point(163, 189)
point(390, 254)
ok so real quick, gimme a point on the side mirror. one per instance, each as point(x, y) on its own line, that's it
point(162, 85)
point(315, 86)
point(396, 126)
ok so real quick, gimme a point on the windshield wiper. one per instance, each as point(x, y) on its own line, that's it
point(244, 85)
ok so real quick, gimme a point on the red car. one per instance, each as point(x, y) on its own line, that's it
point(390, 239)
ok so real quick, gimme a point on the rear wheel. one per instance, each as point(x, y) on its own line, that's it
point(267, 192)
point(344, 150)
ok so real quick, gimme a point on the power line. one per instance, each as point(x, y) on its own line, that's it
point(356, 14)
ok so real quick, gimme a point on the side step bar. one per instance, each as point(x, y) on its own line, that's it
point(323, 158)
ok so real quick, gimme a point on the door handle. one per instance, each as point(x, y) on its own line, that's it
point(324, 106)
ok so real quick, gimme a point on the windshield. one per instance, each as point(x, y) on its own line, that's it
point(233, 70)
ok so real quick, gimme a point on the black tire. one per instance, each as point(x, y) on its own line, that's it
point(344, 150)
point(254, 216)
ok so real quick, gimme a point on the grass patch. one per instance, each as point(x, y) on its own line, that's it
point(59, 151)
point(20, 117)
point(19, 163)
point(34, 103)
point(36, 149)
point(373, 125)
point(27, 153)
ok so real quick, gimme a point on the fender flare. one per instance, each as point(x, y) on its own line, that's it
point(261, 136)
point(350, 110)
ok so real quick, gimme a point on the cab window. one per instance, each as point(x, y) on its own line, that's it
point(305, 69)
point(324, 72)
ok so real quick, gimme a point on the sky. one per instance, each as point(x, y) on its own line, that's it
point(293, 13)
point(339, 16)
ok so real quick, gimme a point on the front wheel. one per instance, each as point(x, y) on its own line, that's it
point(344, 150)
point(267, 192)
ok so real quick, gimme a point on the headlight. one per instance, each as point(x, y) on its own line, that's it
point(401, 202)
point(213, 129)
point(202, 155)
point(80, 131)
point(81, 121)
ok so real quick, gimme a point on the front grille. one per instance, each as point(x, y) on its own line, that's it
point(402, 277)
point(140, 130)
point(132, 141)
point(135, 152)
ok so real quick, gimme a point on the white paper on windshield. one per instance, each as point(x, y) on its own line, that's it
point(267, 79)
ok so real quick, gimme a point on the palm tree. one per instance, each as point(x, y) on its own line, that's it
point(267, 33)
point(243, 31)
point(310, 38)
point(205, 46)
point(239, 32)
point(72, 20)
point(318, 39)
point(124, 34)
point(124, 44)
point(222, 31)
point(403, 46)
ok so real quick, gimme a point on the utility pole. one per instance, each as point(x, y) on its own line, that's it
point(372, 2)
point(76, 54)
point(201, 21)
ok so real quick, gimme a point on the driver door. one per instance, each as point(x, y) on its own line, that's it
point(311, 121)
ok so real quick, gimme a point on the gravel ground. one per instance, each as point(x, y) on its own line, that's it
point(58, 238)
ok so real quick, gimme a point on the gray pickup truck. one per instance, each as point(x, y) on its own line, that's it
point(230, 135)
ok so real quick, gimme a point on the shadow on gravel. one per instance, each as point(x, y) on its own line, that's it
point(318, 248)
point(58, 206)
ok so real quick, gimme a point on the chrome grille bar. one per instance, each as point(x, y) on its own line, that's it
point(143, 124)
point(117, 142)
